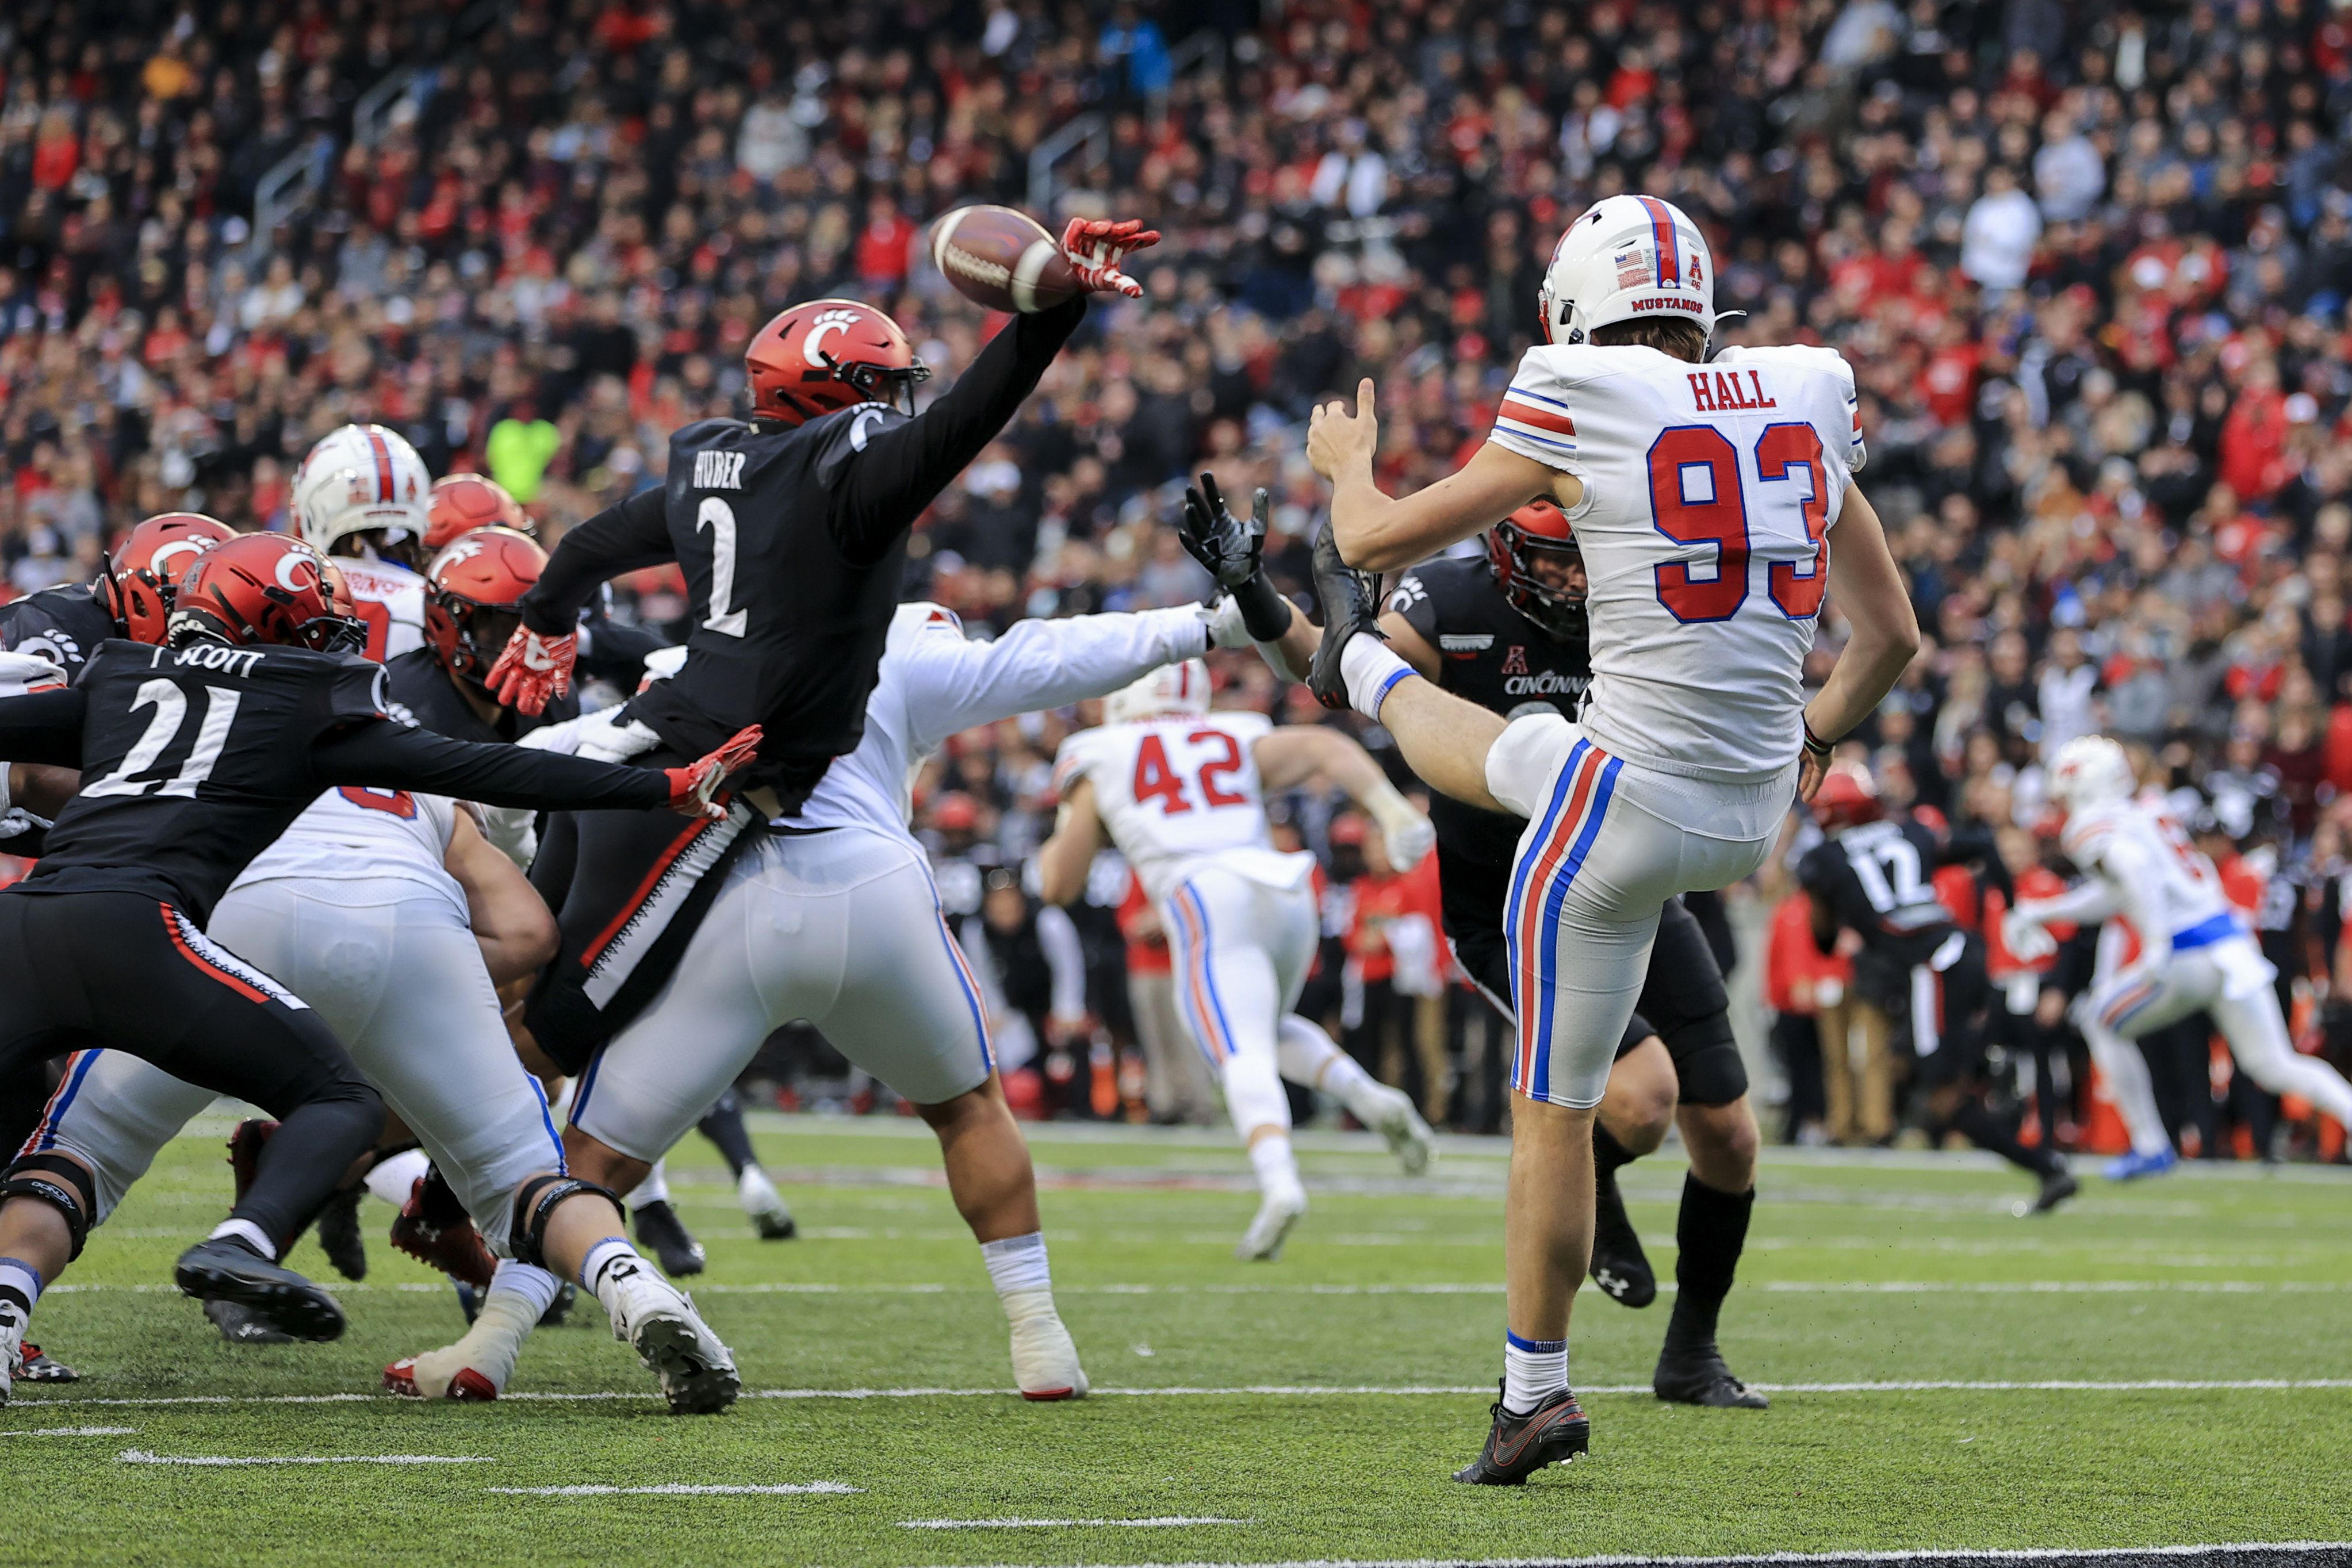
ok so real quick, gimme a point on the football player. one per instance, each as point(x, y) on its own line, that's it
point(131, 598)
point(1508, 631)
point(1875, 875)
point(194, 756)
point(1703, 494)
point(2186, 951)
point(790, 528)
point(1180, 792)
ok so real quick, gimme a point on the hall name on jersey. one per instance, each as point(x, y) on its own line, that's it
point(718, 470)
point(1719, 391)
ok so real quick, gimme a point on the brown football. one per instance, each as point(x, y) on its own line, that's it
point(1002, 259)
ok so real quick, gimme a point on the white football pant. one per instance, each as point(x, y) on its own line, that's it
point(1240, 950)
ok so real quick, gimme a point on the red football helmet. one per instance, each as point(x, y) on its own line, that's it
point(460, 503)
point(1848, 795)
point(137, 586)
point(1538, 526)
point(473, 597)
point(266, 589)
point(830, 354)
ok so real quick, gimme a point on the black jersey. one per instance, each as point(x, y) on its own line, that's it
point(793, 540)
point(1492, 655)
point(194, 760)
point(423, 694)
point(1878, 879)
point(64, 625)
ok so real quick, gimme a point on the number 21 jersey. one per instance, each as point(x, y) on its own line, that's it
point(1172, 790)
point(1709, 492)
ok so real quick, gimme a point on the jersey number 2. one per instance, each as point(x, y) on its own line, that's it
point(171, 706)
point(1155, 779)
point(719, 517)
point(1696, 497)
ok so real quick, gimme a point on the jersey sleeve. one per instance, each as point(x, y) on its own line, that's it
point(1537, 417)
point(389, 755)
point(357, 691)
point(1077, 756)
point(1411, 600)
point(952, 683)
point(619, 538)
point(1841, 413)
point(43, 727)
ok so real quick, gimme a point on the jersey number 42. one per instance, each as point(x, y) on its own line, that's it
point(1156, 780)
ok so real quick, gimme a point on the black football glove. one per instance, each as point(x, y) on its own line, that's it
point(1233, 552)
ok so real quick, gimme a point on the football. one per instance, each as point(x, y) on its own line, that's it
point(1002, 258)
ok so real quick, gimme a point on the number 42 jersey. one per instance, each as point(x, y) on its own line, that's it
point(1174, 790)
point(1709, 492)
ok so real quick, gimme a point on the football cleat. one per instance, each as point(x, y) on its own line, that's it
point(1262, 1242)
point(223, 1268)
point(434, 1231)
point(35, 1367)
point(1351, 604)
point(1619, 1265)
point(1409, 1137)
point(659, 1228)
point(1553, 1433)
point(339, 1233)
point(765, 1205)
point(657, 1320)
point(2056, 1189)
point(1044, 1360)
point(466, 1386)
point(566, 1293)
point(2133, 1166)
point(1698, 1376)
point(241, 1325)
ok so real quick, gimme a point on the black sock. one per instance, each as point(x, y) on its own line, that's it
point(306, 1158)
point(1608, 1156)
point(1709, 1236)
point(1976, 1125)
point(723, 1126)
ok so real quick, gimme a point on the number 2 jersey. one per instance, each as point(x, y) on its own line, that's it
point(1174, 792)
point(1710, 491)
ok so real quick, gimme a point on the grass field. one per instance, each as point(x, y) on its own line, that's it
point(2163, 1363)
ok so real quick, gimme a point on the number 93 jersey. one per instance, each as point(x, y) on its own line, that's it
point(1709, 492)
point(1170, 790)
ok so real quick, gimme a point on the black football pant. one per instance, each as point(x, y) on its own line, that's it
point(123, 971)
point(629, 889)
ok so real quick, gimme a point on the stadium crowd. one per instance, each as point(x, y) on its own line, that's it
point(2091, 265)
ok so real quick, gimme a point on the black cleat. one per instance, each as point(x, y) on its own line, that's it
point(1351, 603)
point(223, 1268)
point(2057, 1186)
point(1553, 1433)
point(675, 1247)
point(339, 1234)
point(1619, 1265)
point(36, 1368)
point(566, 1293)
point(1699, 1378)
point(240, 1324)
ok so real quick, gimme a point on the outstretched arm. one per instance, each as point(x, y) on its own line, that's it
point(1378, 532)
point(1868, 589)
point(1064, 860)
point(1288, 757)
point(624, 538)
point(953, 684)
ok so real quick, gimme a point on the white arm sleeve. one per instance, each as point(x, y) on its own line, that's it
point(1058, 935)
point(952, 684)
point(2086, 903)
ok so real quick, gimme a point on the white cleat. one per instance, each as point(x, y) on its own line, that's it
point(659, 1322)
point(1262, 1242)
point(764, 1205)
point(1044, 1360)
point(1410, 1139)
point(441, 1373)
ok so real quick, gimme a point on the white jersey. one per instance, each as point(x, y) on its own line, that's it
point(1174, 791)
point(2164, 880)
point(1708, 493)
point(933, 683)
point(356, 834)
point(391, 599)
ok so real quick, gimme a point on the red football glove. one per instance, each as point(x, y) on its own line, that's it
point(1095, 248)
point(691, 788)
point(533, 671)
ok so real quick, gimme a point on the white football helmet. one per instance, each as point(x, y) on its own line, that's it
point(2090, 770)
point(1170, 689)
point(1627, 258)
point(357, 478)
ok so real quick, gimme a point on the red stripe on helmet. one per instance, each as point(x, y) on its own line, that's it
point(1662, 232)
point(384, 481)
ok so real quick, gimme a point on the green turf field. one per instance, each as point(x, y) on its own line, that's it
point(2122, 1374)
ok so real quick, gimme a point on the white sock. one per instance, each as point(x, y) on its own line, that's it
point(1370, 667)
point(512, 1308)
point(654, 1189)
point(1277, 1167)
point(20, 1287)
point(1017, 1263)
point(596, 1267)
point(394, 1179)
point(534, 1284)
point(1533, 1371)
point(1310, 1059)
point(248, 1232)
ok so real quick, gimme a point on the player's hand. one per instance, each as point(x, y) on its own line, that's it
point(1340, 443)
point(533, 671)
point(1234, 552)
point(2025, 936)
point(1811, 770)
point(1405, 833)
point(692, 787)
point(1095, 248)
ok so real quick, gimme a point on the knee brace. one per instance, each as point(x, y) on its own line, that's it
point(534, 1206)
point(60, 1183)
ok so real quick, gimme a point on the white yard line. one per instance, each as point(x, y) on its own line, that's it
point(69, 1432)
point(1168, 1522)
point(141, 1457)
point(682, 1489)
point(1429, 1288)
point(2254, 1549)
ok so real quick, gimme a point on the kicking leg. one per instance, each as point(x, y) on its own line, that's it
point(2258, 1040)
